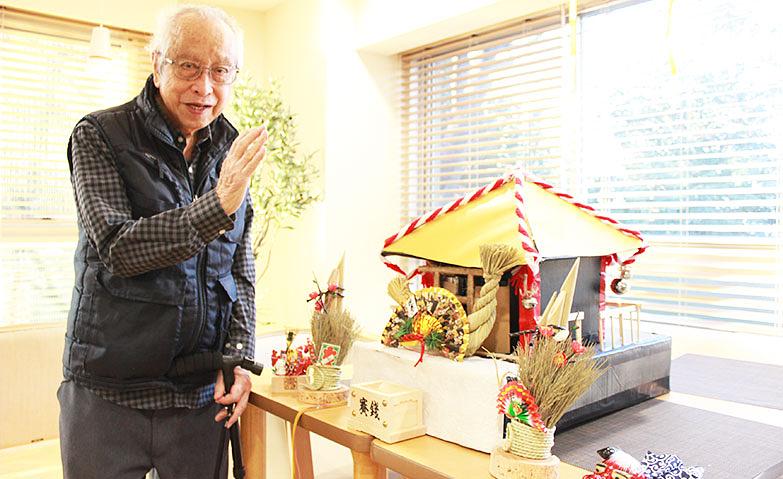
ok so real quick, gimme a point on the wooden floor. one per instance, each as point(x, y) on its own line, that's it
point(331, 461)
point(40, 460)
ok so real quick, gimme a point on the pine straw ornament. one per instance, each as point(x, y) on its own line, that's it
point(556, 372)
point(331, 323)
point(553, 373)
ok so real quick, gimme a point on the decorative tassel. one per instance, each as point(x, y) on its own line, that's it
point(414, 338)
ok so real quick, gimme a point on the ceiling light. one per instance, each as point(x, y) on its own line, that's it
point(100, 43)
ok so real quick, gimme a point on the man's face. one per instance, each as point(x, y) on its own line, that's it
point(193, 104)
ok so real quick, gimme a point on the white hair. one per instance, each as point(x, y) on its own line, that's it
point(170, 25)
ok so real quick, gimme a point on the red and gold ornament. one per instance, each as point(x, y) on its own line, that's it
point(517, 403)
point(560, 359)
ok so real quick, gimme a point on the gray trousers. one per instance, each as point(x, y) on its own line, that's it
point(99, 439)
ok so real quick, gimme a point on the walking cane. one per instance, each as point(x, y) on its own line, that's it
point(212, 361)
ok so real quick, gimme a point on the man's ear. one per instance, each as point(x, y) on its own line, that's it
point(156, 69)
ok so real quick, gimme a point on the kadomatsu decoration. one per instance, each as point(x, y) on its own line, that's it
point(553, 371)
point(334, 332)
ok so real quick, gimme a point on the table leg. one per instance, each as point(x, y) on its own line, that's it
point(303, 455)
point(365, 468)
point(253, 436)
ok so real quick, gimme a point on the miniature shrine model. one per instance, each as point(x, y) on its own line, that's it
point(550, 231)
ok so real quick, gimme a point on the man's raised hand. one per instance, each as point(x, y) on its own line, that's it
point(243, 158)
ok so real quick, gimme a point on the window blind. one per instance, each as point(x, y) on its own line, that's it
point(478, 106)
point(692, 159)
point(47, 83)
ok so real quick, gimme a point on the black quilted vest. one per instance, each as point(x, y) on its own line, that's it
point(124, 332)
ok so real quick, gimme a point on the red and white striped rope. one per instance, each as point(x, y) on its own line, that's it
point(532, 257)
point(437, 213)
point(528, 245)
point(589, 209)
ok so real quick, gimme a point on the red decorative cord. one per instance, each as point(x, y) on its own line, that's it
point(415, 337)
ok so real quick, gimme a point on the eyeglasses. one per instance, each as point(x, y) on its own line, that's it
point(188, 70)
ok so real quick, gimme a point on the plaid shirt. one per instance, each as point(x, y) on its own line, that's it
point(133, 247)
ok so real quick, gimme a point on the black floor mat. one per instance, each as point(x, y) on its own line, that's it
point(727, 447)
point(736, 381)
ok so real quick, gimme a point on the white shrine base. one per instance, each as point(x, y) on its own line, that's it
point(459, 398)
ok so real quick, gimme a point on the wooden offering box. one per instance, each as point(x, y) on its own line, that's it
point(391, 412)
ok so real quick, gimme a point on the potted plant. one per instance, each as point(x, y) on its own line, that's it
point(284, 187)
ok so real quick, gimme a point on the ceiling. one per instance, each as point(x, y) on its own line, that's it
point(258, 5)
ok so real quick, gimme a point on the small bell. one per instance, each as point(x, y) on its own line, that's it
point(619, 286)
point(625, 272)
point(528, 294)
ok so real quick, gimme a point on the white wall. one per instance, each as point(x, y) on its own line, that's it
point(344, 101)
point(141, 15)
point(136, 15)
point(291, 46)
point(337, 60)
point(392, 27)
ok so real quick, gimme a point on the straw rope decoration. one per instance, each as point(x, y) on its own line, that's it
point(528, 442)
point(495, 259)
point(398, 290)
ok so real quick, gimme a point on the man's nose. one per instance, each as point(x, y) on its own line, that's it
point(203, 83)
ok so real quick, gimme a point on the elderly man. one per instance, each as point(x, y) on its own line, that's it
point(164, 266)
